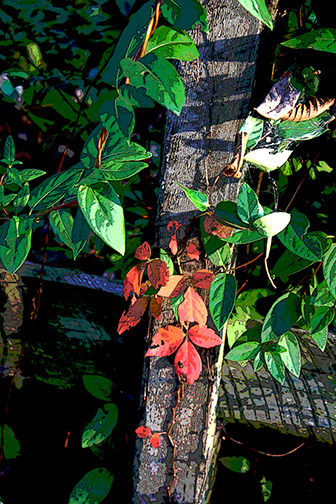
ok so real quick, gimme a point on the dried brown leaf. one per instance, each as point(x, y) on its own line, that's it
point(305, 111)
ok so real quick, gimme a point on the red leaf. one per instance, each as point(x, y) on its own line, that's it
point(202, 278)
point(155, 306)
point(155, 440)
point(174, 287)
point(132, 281)
point(192, 251)
point(173, 244)
point(192, 309)
point(212, 226)
point(143, 252)
point(203, 336)
point(188, 362)
point(158, 273)
point(165, 341)
point(133, 315)
point(143, 431)
point(173, 225)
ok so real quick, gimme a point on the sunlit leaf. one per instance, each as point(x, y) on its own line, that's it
point(259, 10)
point(165, 342)
point(253, 126)
point(21, 198)
point(329, 269)
point(321, 296)
point(275, 365)
point(159, 77)
point(167, 42)
point(155, 440)
point(166, 258)
point(143, 431)
point(203, 336)
point(92, 488)
point(243, 351)
point(291, 358)
point(281, 98)
point(222, 297)
point(62, 224)
point(199, 199)
point(175, 286)
point(320, 318)
point(296, 239)
point(103, 212)
point(272, 224)
point(321, 338)
point(248, 206)
point(281, 317)
point(101, 425)
point(266, 488)
point(322, 39)
point(15, 242)
point(53, 189)
point(188, 362)
point(192, 308)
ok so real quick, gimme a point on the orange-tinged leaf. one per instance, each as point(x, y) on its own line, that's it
point(174, 287)
point(143, 431)
point(155, 440)
point(155, 306)
point(192, 251)
point(165, 341)
point(144, 287)
point(188, 362)
point(133, 315)
point(143, 252)
point(305, 111)
point(173, 225)
point(192, 309)
point(132, 281)
point(158, 273)
point(203, 336)
point(173, 244)
point(212, 226)
point(202, 278)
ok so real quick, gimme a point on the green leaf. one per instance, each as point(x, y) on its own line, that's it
point(80, 233)
point(159, 78)
point(236, 464)
point(122, 171)
point(220, 256)
point(320, 318)
point(296, 239)
point(243, 351)
point(322, 296)
point(21, 198)
point(222, 297)
point(92, 488)
point(53, 189)
point(199, 199)
point(281, 317)
point(9, 150)
point(236, 327)
point(99, 386)
point(15, 242)
point(62, 223)
point(243, 236)
point(272, 224)
point(248, 299)
point(103, 212)
point(185, 14)
point(275, 365)
point(175, 303)
point(12, 177)
point(254, 126)
point(248, 206)
point(303, 130)
point(11, 446)
point(259, 361)
point(329, 269)
point(291, 358)
point(8, 89)
point(259, 10)
point(266, 488)
point(167, 42)
point(101, 425)
point(125, 6)
point(30, 174)
point(117, 116)
point(227, 213)
point(321, 338)
point(167, 259)
point(323, 39)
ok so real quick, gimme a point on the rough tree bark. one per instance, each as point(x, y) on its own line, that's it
point(198, 145)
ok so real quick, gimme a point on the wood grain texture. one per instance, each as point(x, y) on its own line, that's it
point(197, 146)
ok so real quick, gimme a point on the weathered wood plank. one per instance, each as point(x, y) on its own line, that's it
point(302, 406)
point(198, 145)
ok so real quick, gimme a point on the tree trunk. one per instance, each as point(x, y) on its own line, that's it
point(198, 145)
